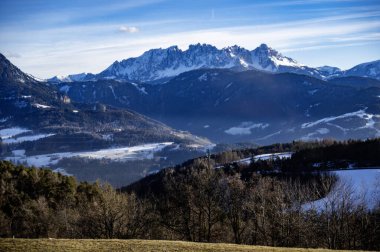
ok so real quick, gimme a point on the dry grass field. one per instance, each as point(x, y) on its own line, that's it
point(57, 245)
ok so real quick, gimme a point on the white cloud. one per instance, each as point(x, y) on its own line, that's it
point(298, 2)
point(128, 29)
point(12, 55)
point(74, 13)
point(71, 49)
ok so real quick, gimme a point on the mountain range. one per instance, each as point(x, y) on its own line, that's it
point(170, 105)
point(249, 106)
point(27, 103)
point(41, 126)
point(159, 65)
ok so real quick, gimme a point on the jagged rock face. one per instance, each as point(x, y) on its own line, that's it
point(159, 65)
point(70, 78)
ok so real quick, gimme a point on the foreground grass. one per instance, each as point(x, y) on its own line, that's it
point(57, 245)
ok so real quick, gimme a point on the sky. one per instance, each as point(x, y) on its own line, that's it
point(46, 38)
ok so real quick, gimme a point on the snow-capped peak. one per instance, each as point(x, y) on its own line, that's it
point(156, 65)
point(62, 78)
point(268, 59)
point(329, 69)
point(369, 69)
point(165, 63)
point(329, 72)
point(69, 78)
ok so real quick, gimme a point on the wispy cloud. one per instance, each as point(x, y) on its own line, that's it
point(128, 29)
point(81, 11)
point(67, 41)
point(300, 2)
point(327, 46)
point(72, 56)
point(12, 55)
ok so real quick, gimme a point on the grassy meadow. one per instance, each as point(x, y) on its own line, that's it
point(57, 245)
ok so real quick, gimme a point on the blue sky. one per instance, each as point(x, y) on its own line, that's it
point(47, 38)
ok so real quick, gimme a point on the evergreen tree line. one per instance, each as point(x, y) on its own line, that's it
point(307, 156)
point(194, 203)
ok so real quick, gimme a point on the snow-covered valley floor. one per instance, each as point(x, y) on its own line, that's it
point(16, 135)
point(269, 156)
point(139, 152)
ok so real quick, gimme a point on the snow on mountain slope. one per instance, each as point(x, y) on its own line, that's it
point(370, 120)
point(27, 138)
point(157, 65)
point(245, 128)
point(329, 71)
point(161, 64)
point(370, 69)
point(164, 63)
point(268, 59)
point(70, 78)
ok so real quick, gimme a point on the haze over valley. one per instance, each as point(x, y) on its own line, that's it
point(243, 122)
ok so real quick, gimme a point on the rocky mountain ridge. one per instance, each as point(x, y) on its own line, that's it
point(159, 65)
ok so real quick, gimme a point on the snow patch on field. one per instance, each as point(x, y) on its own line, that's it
point(139, 152)
point(361, 114)
point(11, 132)
point(269, 156)
point(245, 128)
point(62, 171)
point(42, 106)
point(280, 155)
point(26, 138)
point(362, 186)
point(311, 136)
point(202, 147)
point(11, 135)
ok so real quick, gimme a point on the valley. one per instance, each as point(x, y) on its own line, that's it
point(164, 125)
point(76, 121)
point(268, 195)
point(227, 106)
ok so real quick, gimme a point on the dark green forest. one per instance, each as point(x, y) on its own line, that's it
point(236, 203)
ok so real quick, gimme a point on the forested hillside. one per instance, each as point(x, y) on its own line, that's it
point(195, 202)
